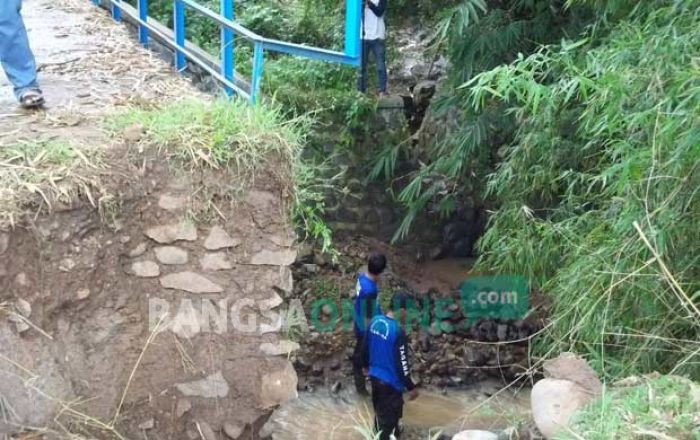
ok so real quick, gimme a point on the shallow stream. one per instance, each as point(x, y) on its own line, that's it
point(327, 416)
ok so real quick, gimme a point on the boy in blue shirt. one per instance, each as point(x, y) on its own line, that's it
point(365, 307)
point(385, 358)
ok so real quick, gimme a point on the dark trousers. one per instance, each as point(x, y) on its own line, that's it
point(378, 48)
point(357, 373)
point(388, 409)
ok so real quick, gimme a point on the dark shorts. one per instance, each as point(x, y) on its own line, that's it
point(388, 408)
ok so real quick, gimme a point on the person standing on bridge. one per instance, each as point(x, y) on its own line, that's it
point(386, 362)
point(373, 41)
point(16, 57)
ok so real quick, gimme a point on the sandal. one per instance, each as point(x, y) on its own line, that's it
point(31, 99)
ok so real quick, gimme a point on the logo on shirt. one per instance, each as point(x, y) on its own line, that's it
point(380, 328)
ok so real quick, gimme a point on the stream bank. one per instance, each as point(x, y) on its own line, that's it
point(456, 369)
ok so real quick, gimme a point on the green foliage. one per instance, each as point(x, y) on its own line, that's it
point(598, 190)
point(477, 36)
point(665, 407)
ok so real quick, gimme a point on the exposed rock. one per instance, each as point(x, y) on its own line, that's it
point(232, 430)
point(21, 279)
point(423, 92)
point(66, 265)
point(321, 259)
point(189, 282)
point(390, 102)
point(212, 386)
point(274, 258)
point(167, 234)
point(139, 250)
point(281, 348)
point(281, 241)
point(82, 294)
point(4, 242)
point(435, 329)
point(145, 269)
point(305, 253)
point(327, 309)
point(271, 303)
point(206, 431)
point(219, 239)
point(568, 366)
point(215, 261)
point(171, 255)
point(267, 430)
point(337, 386)
point(554, 402)
point(183, 406)
point(286, 280)
point(23, 307)
point(22, 312)
point(475, 435)
point(311, 268)
point(148, 424)
point(172, 203)
point(278, 386)
point(185, 325)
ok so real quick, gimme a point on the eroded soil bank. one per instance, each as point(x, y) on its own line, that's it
point(82, 347)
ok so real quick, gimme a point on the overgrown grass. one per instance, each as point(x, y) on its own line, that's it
point(221, 133)
point(240, 138)
point(667, 407)
point(599, 188)
point(38, 175)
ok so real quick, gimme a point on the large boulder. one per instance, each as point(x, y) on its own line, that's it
point(568, 366)
point(475, 435)
point(278, 386)
point(554, 402)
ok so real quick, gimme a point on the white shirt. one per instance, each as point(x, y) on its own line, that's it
point(374, 27)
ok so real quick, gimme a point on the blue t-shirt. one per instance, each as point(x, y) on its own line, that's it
point(366, 304)
point(386, 353)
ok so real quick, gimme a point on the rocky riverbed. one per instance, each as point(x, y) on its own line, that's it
point(447, 353)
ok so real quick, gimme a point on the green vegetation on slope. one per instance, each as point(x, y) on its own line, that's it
point(666, 407)
point(599, 188)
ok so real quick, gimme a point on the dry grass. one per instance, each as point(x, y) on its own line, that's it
point(37, 176)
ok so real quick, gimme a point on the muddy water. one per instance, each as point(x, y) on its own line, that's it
point(321, 415)
point(444, 275)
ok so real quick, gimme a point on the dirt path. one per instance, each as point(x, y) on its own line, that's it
point(90, 261)
point(88, 67)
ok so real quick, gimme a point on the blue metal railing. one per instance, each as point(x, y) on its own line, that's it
point(230, 29)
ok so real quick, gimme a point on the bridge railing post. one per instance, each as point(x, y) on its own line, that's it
point(258, 62)
point(353, 21)
point(142, 7)
point(179, 31)
point(227, 45)
point(116, 10)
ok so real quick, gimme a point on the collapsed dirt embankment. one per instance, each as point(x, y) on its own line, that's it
point(82, 291)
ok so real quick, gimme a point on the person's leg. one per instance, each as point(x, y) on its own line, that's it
point(380, 57)
point(364, 59)
point(388, 406)
point(15, 55)
point(357, 373)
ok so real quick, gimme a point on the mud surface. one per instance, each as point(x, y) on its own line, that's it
point(339, 415)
